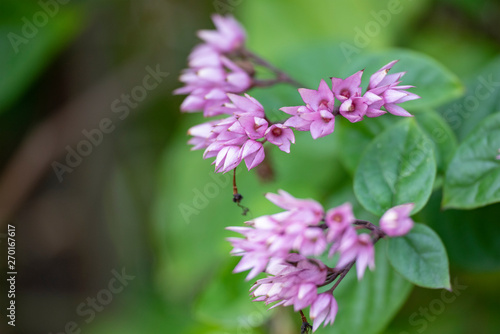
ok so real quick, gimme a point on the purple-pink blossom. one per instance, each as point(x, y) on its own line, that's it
point(211, 73)
point(346, 98)
point(359, 248)
point(396, 221)
point(338, 220)
point(286, 246)
point(292, 280)
point(281, 136)
point(229, 35)
point(317, 116)
point(323, 309)
point(239, 136)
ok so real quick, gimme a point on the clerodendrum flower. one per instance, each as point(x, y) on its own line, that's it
point(211, 73)
point(396, 221)
point(239, 136)
point(286, 246)
point(382, 95)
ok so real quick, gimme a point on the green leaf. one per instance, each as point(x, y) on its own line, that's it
point(482, 99)
point(470, 236)
point(368, 305)
point(420, 257)
point(433, 82)
point(397, 167)
point(473, 176)
point(353, 138)
point(441, 135)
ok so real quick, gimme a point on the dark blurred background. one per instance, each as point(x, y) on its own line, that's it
point(102, 244)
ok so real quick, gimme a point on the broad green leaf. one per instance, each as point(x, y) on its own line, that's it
point(397, 167)
point(226, 301)
point(439, 132)
point(433, 82)
point(353, 138)
point(25, 51)
point(473, 176)
point(420, 257)
point(368, 305)
point(470, 236)
point(481, 99)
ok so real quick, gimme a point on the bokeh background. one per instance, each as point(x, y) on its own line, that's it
point(142, 204)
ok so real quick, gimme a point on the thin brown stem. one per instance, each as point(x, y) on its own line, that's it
point(237, 197)
point(281, 76)
point(305, 324)
point(343, 273)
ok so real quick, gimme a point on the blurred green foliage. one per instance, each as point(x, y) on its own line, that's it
point(167, 211)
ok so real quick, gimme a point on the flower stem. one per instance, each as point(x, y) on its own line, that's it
point(281, 76)
point(237, 197)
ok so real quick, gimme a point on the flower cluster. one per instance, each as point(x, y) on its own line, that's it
point(211, 73)
point(222, 67)
point(284, 245)
point(217, 69)
point(346, 98)
point(239, 136)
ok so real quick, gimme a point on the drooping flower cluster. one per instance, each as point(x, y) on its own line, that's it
point(240, 136)
point(211, 73)
point(211, 80)
point(345, 98)
point(284, 245)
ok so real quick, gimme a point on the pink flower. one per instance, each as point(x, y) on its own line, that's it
point(386, 86)
point(244, 106)
point(276, 235)
point(338, 220)
point(320, 99)
point(317, 116)
point(323, 309)
point(498, 156)
point(253, 127)
point(322, 123)
point(281, 136)
point(228, 37)
point(211, 74)
point(227, 159)
point(297, 121)
point(253, 153)
point(294, 282)
point(203, 135)
point(396, 221)
point(310, 211)
point(357, 248)
point(348, 88)
point(254, 248)
point(235, 138)
point(354, 109)
point(312, 241)
point(377, 78)
point(208, 86)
